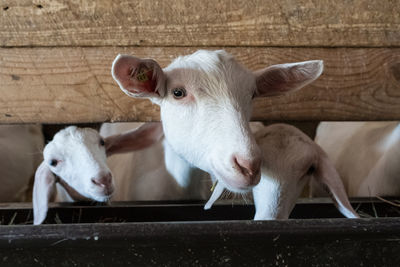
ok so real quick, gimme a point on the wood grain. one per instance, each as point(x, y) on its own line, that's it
point(74, 85)
point(321, 23)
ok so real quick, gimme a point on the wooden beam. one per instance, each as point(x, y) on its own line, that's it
point(323, 23)
point(71, 85)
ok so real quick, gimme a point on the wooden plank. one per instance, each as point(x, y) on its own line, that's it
point(71, 85)
point(200, 23)
point(315, 242)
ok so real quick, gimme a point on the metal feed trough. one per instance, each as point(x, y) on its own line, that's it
point(182, 233)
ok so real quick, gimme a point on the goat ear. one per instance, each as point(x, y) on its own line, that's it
point(143, 137)
point(327, 175)
point(43, 189)
point(283, 78)
point(139, 77)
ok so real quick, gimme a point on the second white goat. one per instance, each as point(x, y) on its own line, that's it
point(289, 160)
point(75, 168)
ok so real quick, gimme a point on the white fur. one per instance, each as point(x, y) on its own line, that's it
point(156, 173)
point(81, 157)
point(209, 127)
point(290, 160)
point(366, 154)
point(209, 132)
point(21, 147)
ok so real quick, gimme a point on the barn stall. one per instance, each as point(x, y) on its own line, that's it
point(55, 61)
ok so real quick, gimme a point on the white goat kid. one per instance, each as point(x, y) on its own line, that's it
point(366, 155)
point(75, 168)
point(20, 147)
point(205, 101)
point(289, 160)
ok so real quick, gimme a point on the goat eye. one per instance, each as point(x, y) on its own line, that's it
point(53, 162)
point(179, 93)
point(102, 143)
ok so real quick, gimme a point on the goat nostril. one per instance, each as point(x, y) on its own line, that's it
point(242, 169)
point(248, 168)
point(96, 182)
point(103, 181)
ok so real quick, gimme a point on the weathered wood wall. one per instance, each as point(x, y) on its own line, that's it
point(55, 56)
point(200, 23)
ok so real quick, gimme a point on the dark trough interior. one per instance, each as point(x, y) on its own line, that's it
point(168, 211)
